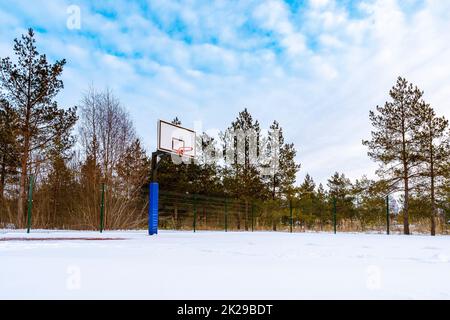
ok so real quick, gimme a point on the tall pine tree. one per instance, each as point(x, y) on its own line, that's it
point(30, 85)
point(434, 152)
point(242, 176)
point(393, 144)
point(283, 171)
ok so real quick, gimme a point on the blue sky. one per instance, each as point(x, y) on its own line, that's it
point(316, 66)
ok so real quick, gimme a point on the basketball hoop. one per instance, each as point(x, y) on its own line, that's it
point(180, 151)
point(176, 140)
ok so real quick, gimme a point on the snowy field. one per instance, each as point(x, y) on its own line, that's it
point(218, 265)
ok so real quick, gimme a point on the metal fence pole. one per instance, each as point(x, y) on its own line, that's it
point(387, 215)
point(253, 216)
point(195, 212)
point(102, 209)
point(226, 215)
point(30, 203)
point(334, 215)
point(291, 217)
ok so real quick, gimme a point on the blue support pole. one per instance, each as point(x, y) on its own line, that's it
point(153, 209)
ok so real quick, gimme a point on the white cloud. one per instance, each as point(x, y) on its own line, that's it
point(330, 41)
point(318, 3)
point(274, 16)
point(207, 61)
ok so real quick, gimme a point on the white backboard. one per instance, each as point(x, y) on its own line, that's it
point(173, 138)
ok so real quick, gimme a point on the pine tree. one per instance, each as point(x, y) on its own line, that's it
point(242, 176)
point(370, 200)
point(288, 169)
point(204, 172)
point(308, 186)
point(283, 172)
point(444, 195)
point(60, 182)
point(434, 151)
point(321, 205)
point(176, 121)
point(30, 86)
point(133, 169)
point(8, 144)
point(393, 143)
point(340, 190)
point(339, 186)
point(274, 178)
point(89, 193)
point(308, 198)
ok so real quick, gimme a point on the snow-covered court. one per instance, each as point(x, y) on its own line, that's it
point(219, 265)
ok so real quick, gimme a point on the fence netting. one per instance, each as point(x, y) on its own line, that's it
point(188, 212)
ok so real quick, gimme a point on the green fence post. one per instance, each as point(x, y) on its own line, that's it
point(291, 217)
point(226, 215)
point(195, 212)
point(102, 209)
point(30, 203)
point(334, 214)
point(387, 215)
point(253, 216)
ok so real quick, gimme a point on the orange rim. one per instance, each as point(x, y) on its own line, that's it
point(181, 150)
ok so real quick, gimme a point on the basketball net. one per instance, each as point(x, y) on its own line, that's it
point(182, 150)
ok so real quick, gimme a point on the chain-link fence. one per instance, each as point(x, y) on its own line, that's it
point(182, 211)
point(87, 206)
point(178, 211)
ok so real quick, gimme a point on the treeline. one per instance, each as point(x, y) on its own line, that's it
point(70, 165)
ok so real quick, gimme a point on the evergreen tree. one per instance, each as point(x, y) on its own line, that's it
point(204, 172)
point(321, 205)
point(176, 121)
point(340, 190)
point(30, 86)
point(89, 192)
point(288, 169)
point(444, 195)
point(308, 198)
point(308, 186)
point(434, 152)
point(60, 183)
point(283, 172)
point(241, 177)
point(420, 206)
point(393, 143)
point(370, 201)
point(8, 144)
point(274, 178)
point(133, 170)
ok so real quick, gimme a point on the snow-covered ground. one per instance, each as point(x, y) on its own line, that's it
point(218, 265)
